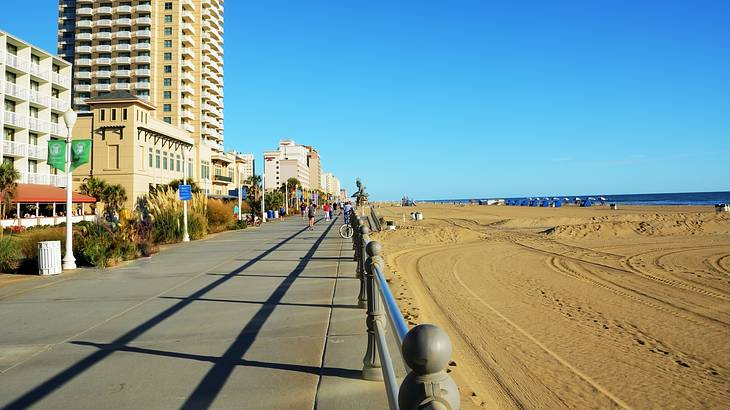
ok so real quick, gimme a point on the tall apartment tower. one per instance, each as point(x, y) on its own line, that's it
point(168, 52)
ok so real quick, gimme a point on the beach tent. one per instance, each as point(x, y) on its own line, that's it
point(524, 202)
point(557, 204)
point(534, 202)
point(586, 203)
point(545, 203)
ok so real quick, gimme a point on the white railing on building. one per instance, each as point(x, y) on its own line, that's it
point(61, 79)
point(16, 120)
point(58, 104)
point(37, 152)
point(16, 149)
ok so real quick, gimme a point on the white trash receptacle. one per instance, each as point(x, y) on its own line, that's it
point(276, 214)
point(419, 216)
point(49, 257)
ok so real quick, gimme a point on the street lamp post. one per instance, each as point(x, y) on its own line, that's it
point(69, 262)
point(186, 235)
point(263, 195)
point(238, 188)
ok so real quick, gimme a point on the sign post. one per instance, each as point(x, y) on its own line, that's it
point(185, 193)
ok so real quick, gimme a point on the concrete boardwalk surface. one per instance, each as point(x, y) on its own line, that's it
point(259, 318)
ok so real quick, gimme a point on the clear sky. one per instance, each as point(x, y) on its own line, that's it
point(460, 99)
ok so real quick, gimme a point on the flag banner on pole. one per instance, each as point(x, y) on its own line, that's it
point(80, 153)
point(57, 154)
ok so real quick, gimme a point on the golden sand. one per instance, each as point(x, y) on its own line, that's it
point(572, 307)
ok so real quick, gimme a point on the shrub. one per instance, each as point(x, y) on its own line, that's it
point(219, 215)
point(237, 225)
point(166, 214)
point(97, 244)
point(28, 244)
point(10, 255)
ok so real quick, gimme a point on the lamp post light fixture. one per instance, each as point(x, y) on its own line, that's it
point(69, 262)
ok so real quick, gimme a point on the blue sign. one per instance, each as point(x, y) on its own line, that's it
point(185, 192)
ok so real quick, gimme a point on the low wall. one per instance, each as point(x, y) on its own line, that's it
point(43, 220)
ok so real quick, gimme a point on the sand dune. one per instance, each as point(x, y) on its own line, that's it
point(578, 308)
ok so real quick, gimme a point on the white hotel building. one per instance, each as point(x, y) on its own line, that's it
point(330, 184)
point(289, 160)
point(36, 90)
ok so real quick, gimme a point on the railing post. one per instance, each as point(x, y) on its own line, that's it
point(362, 294)
point(372, 369)
point(426, 350)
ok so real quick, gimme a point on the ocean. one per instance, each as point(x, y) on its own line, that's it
point(685, 198)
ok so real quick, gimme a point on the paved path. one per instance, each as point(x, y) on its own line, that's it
point(262, 318)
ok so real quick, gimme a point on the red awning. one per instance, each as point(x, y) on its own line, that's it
point(46, 194)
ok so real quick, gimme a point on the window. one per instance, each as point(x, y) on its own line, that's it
point(10, 105)
point(178, 163)
point(164, 160)
point(167, 107)
point(124, 114)
point(168, 44)
point(190, 167)
point(157, 159)
point(101, 115)
point(33, 138)
point(114, 114)
point(9, 134)
point(168, 18)
point(167, 120)
point(168, 56)
point(168, 5)
point(168, 31)
point(113, 156)
point(167, 82)
point(34, 85)
point(167, 95)
point(168, 68)
point(149, 157)
point(32, 166)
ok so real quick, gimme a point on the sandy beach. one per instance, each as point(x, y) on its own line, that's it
point(571, 307)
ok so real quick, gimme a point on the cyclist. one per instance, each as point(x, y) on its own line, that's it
point(347, 209)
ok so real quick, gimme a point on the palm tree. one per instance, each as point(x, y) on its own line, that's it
point(94, 187)
point(254, 189)
point(8, 186)
point(114, 197)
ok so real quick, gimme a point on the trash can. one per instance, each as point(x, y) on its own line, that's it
point(270, 214)
point(419, 216)
point(276, 214)
point(49, 257)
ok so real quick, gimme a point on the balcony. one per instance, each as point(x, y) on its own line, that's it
point(222, 178)
point(85, 24)
point(188, 5)
point(188, 28)
point(142, 86)
point(123, 60)
point(104, 35)
point(103, 74)
point(187, 114)
point(143, 33)
point(104, 10)
point(142, 72)
point(124, 9)
point(58, 129)
point(84, 36)
point(60, 79)
point(83, 61)
point(38, 151)
point(124, 22)
point(104, 49)
point(80, 100)
point(143, 46)
point(187, 102)
point(123, 34)
point(58, 104)
point(188, 52)
point(188, 127)
point(84, 11)
point(37, 98)
point(188, 40)
point(58, 180)
point(143, 20)
point(83, 75)
point(103, 23)
point(188, 64)
point(186, 89)
point(188, 16)
point(123, 47)
point(38, 125)
point(103, 87)
point(121, 86)
point(103, 61)
point(122, 73)
point(143, 59)
point(13, 90)
point(83, 87)
point(144, 8)
point(187, 77)
point(14, 149)
point(15, 120)
point(84, 49)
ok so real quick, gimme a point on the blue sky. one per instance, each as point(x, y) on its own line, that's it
point(461, 99)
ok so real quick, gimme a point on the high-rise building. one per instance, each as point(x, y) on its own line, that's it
point(330, 184)
point(36, 91)
point(315, 168)
point(169, 53)
point(288, 161)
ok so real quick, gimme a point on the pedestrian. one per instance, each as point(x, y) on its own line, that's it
point(326, 209)
point(235, 213)
point(304, 210)
point(311, 213)
point(281, 213)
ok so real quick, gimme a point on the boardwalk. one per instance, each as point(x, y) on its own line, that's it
point(250, 319)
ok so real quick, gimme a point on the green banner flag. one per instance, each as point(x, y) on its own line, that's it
point(80, 153)
point(57, 154)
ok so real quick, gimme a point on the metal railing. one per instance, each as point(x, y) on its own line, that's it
point(376, 219)
point(425, 349)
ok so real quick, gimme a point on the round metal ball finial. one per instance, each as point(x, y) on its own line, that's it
point(364, 230)
point(373, 248)
point(426, 349)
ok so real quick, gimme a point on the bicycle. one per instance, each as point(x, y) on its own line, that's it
point(346, 231)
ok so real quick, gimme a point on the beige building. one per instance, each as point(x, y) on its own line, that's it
point(330, 184)
point(131, 146)
point(168, 53)
point(315, 168)
point(288, 161)
point(36, 90)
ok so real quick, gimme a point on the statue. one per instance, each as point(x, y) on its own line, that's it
point(361, 197)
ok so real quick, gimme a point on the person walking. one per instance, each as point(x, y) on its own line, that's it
point(281, 213)
point(303, 208)
point(311, 213)
point(326, 209)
